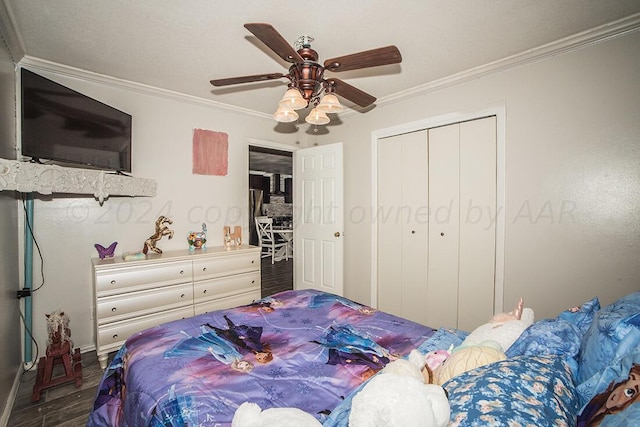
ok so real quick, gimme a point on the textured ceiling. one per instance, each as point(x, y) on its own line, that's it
point(181, 45)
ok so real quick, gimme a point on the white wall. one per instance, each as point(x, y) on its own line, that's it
point(11, 354)
point(572, 174)
point(66, 228)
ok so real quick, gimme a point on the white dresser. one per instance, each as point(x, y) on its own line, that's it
point(134, 295)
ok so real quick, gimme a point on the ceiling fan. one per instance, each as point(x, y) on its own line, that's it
point(306, 76)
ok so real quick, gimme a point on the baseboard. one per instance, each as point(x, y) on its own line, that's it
point(6, 413)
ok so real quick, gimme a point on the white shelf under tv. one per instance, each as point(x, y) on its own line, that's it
point(30, 177)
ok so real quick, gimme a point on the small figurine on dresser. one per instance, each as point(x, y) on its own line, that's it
point(162, 229)
point(106, 252)
point(232, 239)
point(198, 239)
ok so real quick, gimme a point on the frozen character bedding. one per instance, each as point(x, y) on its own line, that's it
point(298, 349)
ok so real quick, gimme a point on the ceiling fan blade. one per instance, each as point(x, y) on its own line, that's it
point(246, 79)
point(368, 58)
point(274, 41)
point(351, 93)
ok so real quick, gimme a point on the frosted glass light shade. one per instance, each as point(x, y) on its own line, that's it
point(285, 115)
point(317, 117)
point(330, 104)
point(293, 100)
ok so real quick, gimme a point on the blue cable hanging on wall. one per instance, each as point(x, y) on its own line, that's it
point(28, 275)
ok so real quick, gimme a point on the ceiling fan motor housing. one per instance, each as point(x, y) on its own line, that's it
point(308, 75)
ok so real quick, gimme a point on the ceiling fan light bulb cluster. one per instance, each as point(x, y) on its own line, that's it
point(317, 117)
point(285, 115)
point(292, 100)
point(330, 104)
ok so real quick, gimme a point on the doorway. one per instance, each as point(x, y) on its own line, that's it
point(271, 194)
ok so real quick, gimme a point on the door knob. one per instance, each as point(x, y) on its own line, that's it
point(337, 234)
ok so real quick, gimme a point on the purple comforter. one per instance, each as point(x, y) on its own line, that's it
point(303, 349)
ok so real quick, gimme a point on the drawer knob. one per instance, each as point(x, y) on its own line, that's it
point(253, 281)
point(182, 296)
point(204, 292)
point(253, 261)
point(114, 309)
point(113, 282)
point(181, 271)
point(115, 336)
point(204, 268)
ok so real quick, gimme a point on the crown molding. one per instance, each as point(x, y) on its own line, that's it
point(37, 64)
point(568, 44)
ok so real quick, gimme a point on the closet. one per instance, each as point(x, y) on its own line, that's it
point(436, 224)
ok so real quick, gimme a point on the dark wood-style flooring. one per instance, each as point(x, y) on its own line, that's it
point(68, 406)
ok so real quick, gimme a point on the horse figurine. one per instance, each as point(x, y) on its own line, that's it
point(161, 230)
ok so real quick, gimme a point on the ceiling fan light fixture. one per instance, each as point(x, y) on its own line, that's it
point(293, 100)
point(330, 104)
point(317, 117)
point(285, 115)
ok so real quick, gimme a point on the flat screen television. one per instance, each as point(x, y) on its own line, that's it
point(62, 125)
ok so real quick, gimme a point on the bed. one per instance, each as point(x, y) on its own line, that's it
point(303, 349)
point(316, 352)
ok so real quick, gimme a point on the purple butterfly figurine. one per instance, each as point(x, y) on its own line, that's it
point(106, 252)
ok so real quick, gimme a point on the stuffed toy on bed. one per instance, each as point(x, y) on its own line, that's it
point(251, 415)
point(503, 328)
point(398, 397)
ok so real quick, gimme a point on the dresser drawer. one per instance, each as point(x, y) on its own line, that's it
point(135, 278)
point(226, 265)
point(119, 307)
point(226, 286)
point(230, 302)
point(113, 335)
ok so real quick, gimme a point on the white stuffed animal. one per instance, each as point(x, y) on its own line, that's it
point(503, 328)
point(398, 397)
point(251, 415)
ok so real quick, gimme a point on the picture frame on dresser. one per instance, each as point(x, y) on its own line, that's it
point(130, 296)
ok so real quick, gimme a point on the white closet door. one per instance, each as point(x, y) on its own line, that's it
point(402, 216)
point(389, 228)
point(415, 220)
point(477, 222)
point(444, 187)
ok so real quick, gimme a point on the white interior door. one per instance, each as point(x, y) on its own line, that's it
point(319, 218)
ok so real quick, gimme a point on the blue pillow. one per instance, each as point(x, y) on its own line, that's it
point(581, 316)
point(622, 375)
point(607, 332)
point(519, 391)
point(546, 337)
